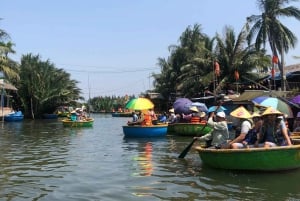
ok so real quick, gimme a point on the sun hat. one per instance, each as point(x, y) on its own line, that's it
point(241, 112)
point(271, 111)
point(202, 114)
point(221, 114)
point(171, 110)
point(194, 109)
point(255, 114)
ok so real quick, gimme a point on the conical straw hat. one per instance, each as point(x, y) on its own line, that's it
point(270, 111)
point(171, 110)
point(194, 108)
point(256, 114)
point(241, 112)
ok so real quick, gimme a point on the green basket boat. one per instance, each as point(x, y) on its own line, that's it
point(78, 123)
point(189, 129)
point(254, 159)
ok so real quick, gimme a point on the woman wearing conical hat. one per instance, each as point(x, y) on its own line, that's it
point(274, 131)
point(246, 124)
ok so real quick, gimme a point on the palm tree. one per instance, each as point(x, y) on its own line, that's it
point(267, 27)
point(7, 66)
point(235, 55)
point(44, 87)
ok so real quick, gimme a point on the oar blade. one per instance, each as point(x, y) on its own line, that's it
point(187, 149)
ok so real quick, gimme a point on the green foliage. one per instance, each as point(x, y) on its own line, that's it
point(108, 103)
point(43, 87)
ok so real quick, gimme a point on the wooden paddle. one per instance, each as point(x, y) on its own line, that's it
point(187, 149)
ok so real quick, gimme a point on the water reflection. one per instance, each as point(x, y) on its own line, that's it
point(42, 160)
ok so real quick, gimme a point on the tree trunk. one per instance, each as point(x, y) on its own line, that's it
point(31, 107)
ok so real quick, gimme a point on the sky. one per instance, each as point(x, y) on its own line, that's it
point(112, 47)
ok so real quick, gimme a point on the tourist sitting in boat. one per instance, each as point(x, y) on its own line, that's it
point(73, 115)
point(143, 120)
point(219, 135)
point(296, 125)
point(162, 118)
point(250, 140)
point(153, 116)
point(172, 117)
point(273, 131)
point(245, 125)
point(134, 119)
point(195, 116)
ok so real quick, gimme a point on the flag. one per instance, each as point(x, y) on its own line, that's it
point(217, 68)
point(236, 75)
point(273, 72)
point(275, 59)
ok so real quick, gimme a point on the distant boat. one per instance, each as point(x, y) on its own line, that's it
point(88, 122)
point(121, 114)
point(50, 116)
point(14, 116)
point(137, 131)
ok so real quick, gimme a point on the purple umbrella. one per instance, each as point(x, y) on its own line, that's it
point(201, 106)
point(182, 105)
point(296, 99)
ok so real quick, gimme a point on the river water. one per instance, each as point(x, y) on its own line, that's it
point(42, 160)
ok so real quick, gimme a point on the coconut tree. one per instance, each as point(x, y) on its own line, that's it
point(267, 27)
point(44, 87)
point(235, 55)
point(7, 66)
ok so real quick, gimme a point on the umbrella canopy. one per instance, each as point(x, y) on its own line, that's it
point(213, 109)
point(139, 104)
point(182, 105)
point(296, 99)
point(274, 103)
point(201, 106)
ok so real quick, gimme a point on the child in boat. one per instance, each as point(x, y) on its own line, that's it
point(219, 134)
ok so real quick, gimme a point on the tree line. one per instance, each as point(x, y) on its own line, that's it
point(197, 63)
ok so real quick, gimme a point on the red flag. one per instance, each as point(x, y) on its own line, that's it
point(236, 75)
point(217, 69)
point(275, 59)
point(273, 72)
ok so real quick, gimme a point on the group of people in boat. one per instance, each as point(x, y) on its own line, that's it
point(79, 114)
point(148, 117)
point(143, 118)
point(267, 129)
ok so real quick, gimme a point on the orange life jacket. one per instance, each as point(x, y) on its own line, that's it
point(195, 119)
point(147, 120)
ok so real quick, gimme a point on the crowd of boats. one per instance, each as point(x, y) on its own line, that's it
point(256, 139)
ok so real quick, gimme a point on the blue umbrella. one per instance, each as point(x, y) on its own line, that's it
point(201, 106)
point(213, 109)
point(182, 105)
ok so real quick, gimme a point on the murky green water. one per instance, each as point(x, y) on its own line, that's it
point(42, 160)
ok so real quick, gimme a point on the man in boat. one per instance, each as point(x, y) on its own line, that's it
point(172, 117)
point(219, 134)
point(134, 119)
